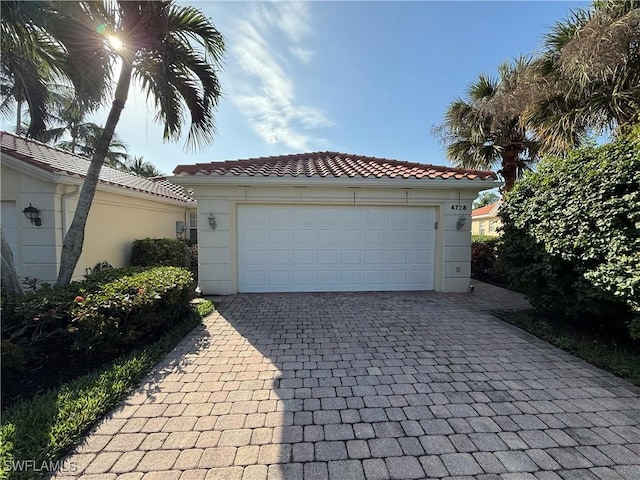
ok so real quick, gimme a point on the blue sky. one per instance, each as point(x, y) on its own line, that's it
point(368, 78)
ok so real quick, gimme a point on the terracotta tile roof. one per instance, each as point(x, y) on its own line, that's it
point(59, 161)
point(486, 210)
point(330, 164)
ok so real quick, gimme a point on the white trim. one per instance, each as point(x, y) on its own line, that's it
point(302, 181)
point(23, 167)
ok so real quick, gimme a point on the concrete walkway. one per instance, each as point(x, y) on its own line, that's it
point(368, 385)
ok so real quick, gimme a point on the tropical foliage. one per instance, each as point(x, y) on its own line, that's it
point(139, 166)
point(571, 236)
point(477, 137)
point(485, 198)
point(172, 51)
point(586, 81)
point(47, 45)
point(74, 133)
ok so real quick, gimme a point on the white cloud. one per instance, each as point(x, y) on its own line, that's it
point(263, 90)
point(303, 54)
point(293, 20)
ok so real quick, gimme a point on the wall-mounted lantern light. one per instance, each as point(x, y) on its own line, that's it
point(33, 214)
point(212, 221)
point(461, 221)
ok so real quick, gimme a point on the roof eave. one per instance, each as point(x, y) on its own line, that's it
point(66, 178)
point(303, 181)
point(27, 168)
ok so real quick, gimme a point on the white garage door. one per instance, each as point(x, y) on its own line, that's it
point(323, 249)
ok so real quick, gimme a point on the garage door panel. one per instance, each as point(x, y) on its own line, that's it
point(375, 218)
point(399, 219)
point(277, 218)
point(275, 237)
point(350, 257)
point(419, 257)
point(420, 237)
point(327, 237)
point(303, 257)
point(327, 277)
point(327, 257)
point(397, 257)
point(399, 237)
point(327, 216)
point(350, 217)
point(374, 237)
point(351, 237)
point(353, 277)
point(278, 277)
point(278, 257)
point(397, 277)
point(374, 257)
point(254, 278)
point(254, 257)
point(417, 275)
point(303, 237)
point(307, 248)
point(252, 218)
point(254, 238)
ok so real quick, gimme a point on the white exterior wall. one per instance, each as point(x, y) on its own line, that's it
point(116, 219)
point(35, 255)
point(218, 248)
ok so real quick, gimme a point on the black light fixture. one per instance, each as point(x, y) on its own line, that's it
point(212, 221)
point(33, 214)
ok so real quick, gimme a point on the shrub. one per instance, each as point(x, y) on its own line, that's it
point(118, 313)
point(170, 252)
point(59, 329)
point(486, 261)
point(571, 234)
point(483, 257)
point(46, 426)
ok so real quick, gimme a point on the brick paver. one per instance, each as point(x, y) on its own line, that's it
point(372, 386)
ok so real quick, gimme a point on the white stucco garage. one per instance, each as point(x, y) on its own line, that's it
point(329, 221)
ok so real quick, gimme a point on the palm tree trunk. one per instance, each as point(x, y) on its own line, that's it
point(10, 280)
point(19, 118)
point(509, 168)
point(74, 239)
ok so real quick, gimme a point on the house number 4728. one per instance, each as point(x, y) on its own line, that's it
point(458, 207)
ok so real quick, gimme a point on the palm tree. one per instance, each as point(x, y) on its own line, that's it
point(39, 50)
point(71, 115)
point(486, 198)
point(172, 51)
point(477, 135)
point(84, 144)
point(588, 77)
point(138, 166)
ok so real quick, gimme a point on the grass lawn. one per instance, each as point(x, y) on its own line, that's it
point(41, 430)
point(620, 356)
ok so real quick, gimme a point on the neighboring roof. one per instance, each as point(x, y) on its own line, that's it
point(330, 164)
point(487, 210)
point(61, 162)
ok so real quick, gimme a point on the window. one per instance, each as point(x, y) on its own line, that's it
point(493, 225)
point(482, 227)
point(193, 226)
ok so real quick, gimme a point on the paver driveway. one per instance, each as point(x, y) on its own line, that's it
point(366, 385)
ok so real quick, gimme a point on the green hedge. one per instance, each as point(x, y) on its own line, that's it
point(171, 252)
point(118, 313)
point(106, 313)
point(571, 233)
